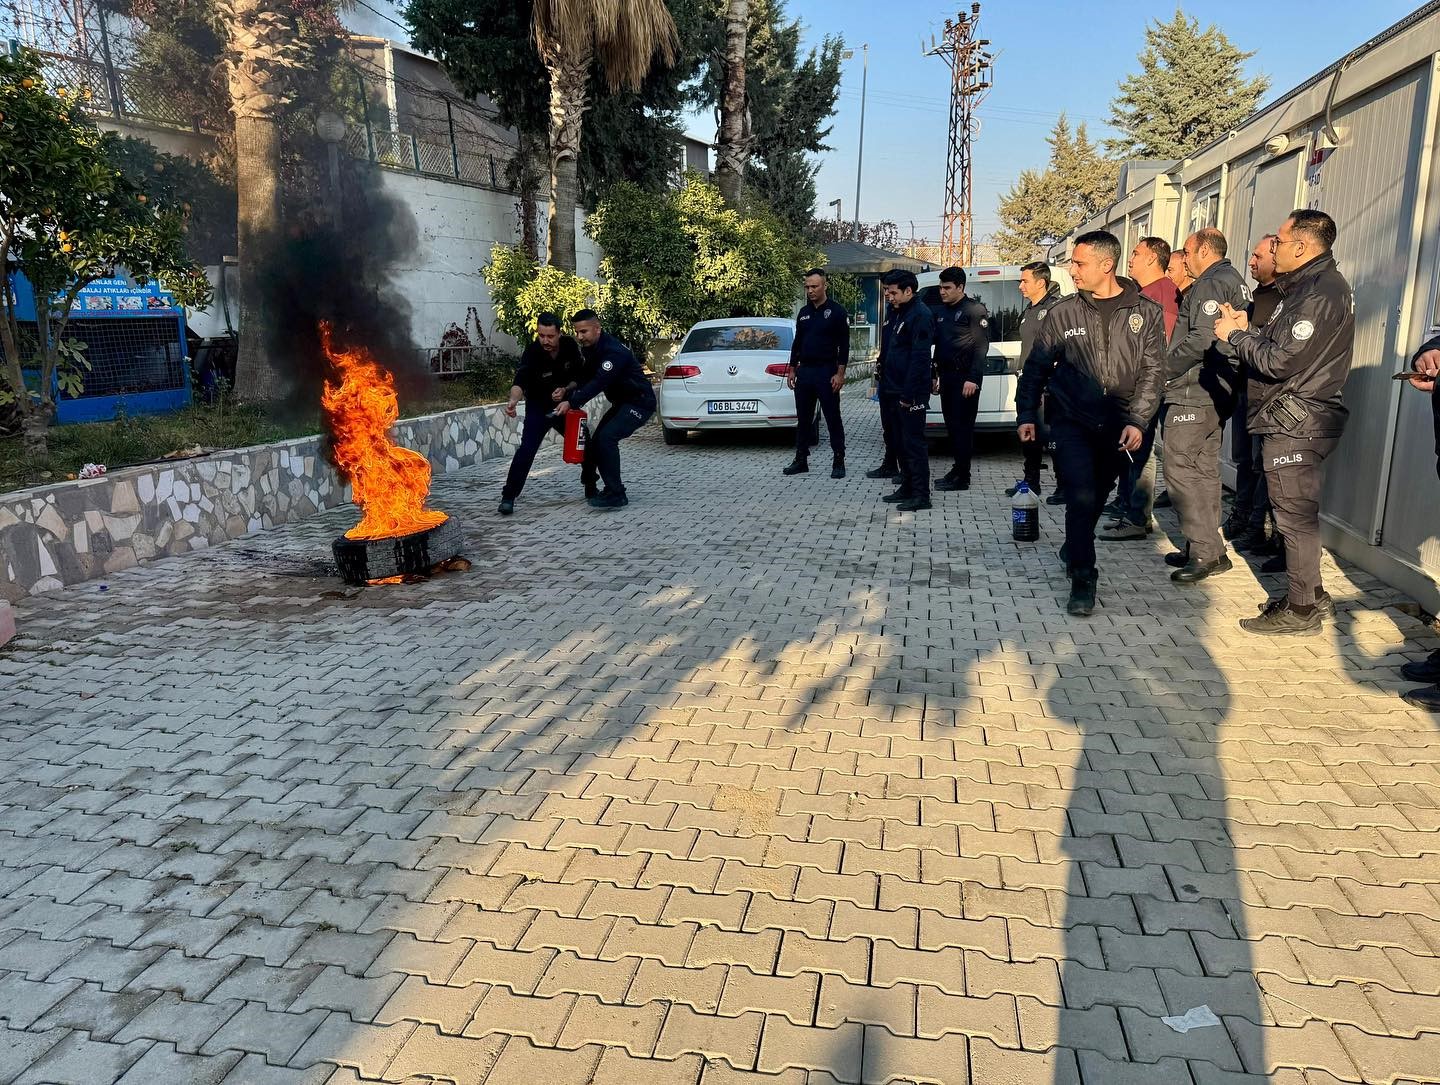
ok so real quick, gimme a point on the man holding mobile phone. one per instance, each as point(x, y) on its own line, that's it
point(1297, 367)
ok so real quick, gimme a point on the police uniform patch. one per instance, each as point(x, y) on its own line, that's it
point(607, 366)
point(1041, 314)
point(1211, 307)
point(1136, 323)
point(1302, 330)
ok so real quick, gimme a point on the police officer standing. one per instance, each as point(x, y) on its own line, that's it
point(622, 379)
point(1246, 525)
point(962, 341)
point(905, 382)
point(1041, 293)
point(1298, 364)
point(546, 370)
point(818, 355)
point(1201, 387)
point(1099, 358)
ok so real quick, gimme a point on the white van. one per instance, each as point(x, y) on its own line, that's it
point(998, 289)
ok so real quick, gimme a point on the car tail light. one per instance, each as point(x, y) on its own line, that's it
point(681, 372)
point(779, 369)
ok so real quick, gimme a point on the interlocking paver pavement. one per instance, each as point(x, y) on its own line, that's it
point(755, 782)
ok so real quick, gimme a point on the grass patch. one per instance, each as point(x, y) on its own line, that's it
point(146, 438)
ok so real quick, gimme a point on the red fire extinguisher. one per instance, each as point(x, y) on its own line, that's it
point(577, 433)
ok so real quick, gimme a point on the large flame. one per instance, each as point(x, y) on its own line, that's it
point(389, 482)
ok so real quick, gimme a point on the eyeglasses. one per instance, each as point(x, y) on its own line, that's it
point(1276, 242)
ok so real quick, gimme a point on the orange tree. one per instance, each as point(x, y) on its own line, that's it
point(67, 218)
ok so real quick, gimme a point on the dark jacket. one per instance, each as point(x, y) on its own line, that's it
point(1305, 350)
point(1263, 302)
point(1096, 372)
point(1032, 319)
point(538, 374)
point(1199, 368)
point(1433, 344)
point(962, 339)
point(822, 335)
point(905, 358)
point(617, 374)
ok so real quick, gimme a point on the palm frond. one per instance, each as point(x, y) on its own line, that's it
point(626, 35)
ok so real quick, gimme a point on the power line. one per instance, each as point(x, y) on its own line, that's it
point(389, 19)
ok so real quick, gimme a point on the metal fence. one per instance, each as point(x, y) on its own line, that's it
point(114, 91)
point(408, 151)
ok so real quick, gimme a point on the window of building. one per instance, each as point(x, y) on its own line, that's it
point(1205, 207)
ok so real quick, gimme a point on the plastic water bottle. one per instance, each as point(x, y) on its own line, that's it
point(1024, 514)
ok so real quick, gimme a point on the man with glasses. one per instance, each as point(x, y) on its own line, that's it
point(1297, 367)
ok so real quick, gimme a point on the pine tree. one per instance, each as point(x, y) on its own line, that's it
point(1045, 206)
point(1190, 91)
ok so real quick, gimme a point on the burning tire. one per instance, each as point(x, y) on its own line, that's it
point(363, 560)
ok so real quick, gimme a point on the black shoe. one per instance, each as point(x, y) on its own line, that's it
point(1199, 570)
point(1116, 511)
point(797, 467)
point(1323, 603)
point(507, 507)
point(1179, 559)
point(608, 500)
point(1163, 500)
point(1058, 498)
point(913, 504)
point(1082, 594)
point(1251, 541)
point(1124, 531)
point(592, 490)
point(1280, 619)
point(896, 497)
point(1275, 564)
point(1423, 670)
point(1237, 525)
point(948, 483)
point(883, 472)
point(1425, 697)
point(837, 469)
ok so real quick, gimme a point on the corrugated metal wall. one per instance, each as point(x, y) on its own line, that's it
point(1369, 186)
point(1411, 528)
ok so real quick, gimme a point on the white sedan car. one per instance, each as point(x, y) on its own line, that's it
point(729, 374)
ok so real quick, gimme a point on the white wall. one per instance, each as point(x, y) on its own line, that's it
point(457, 225)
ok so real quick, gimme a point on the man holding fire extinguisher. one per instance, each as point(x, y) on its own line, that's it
point(548, 367)
point(615, 372)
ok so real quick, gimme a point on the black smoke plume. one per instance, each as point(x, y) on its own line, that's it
point(334, 262)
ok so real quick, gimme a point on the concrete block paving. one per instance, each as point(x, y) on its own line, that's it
point(756, 781)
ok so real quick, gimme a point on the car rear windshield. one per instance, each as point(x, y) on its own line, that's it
point(738, 337)
point(1002, 297)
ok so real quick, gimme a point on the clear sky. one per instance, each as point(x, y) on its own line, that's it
point(1052, 55)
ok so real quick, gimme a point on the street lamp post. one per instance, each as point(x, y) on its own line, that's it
point(860, 155)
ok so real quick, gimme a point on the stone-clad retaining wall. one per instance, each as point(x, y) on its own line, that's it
point(73, 531)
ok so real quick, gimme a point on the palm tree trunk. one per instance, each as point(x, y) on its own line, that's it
point(257, 170)
point(530, 161)
point(732, 151)
point(569, 73)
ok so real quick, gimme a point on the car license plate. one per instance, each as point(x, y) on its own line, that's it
point(734, 406)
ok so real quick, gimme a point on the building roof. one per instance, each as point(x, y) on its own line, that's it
point(854, 258)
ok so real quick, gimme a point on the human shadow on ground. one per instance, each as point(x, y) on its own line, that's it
point(592, 770)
